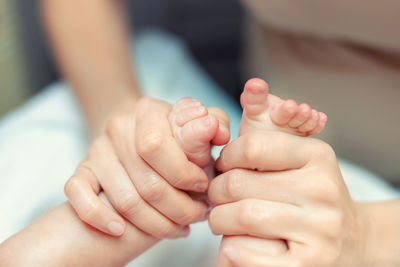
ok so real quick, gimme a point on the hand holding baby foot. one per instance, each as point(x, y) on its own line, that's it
point(132, 164)
point(297, 193)
point(142, 166)
point(299, 196)
point(264, 112)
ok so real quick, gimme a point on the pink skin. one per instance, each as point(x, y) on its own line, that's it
point(194, 128)
point(264, 111)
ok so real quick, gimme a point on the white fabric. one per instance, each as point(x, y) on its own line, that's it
point(42, 142)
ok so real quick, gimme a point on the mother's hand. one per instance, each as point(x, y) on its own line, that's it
point(143, 172)
point(296, 194)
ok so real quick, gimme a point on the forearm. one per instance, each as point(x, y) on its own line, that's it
point(91, 42)
point(60, 238)
point(383, 244)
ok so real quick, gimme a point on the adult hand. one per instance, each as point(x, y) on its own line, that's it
point(297, 194)
point(143, 172)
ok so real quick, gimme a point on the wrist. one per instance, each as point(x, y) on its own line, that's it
point(381, 233)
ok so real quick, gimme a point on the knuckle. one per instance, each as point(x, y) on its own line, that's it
point(234, 185)
point(330, 227)
point(96, 148)
point(323, 150)
point(115, 126)
point(248, 214)
point(153, 189)
point(144, 103)
point(335, 222)
point(325, 191)
point(251, 150)
point(150, 144)
point(331, 191)
point(71, 185)
point(127, 204)
point(91, 213)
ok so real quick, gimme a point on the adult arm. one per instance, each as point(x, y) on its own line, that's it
point(91, 42)
point(129, 158)
point(298, 194)
point(60, 238)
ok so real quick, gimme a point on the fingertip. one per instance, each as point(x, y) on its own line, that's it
point(116, 228)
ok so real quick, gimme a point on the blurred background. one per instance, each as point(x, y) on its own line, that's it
point(211, 28)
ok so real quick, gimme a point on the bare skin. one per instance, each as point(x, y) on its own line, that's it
point(60, 238)
point(299, 193)
point(311, 159)
point(68, 27)
point(194, 128)
point(92, 44)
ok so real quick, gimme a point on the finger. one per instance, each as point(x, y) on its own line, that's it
point(126, 200)
point(82, 189)
point(156, 145)
point(268, 247)
point(259, 218)
point(288, 186)
point(223, 135)
point(143, 197)
point(241, 256)
point(268, 151)
point(173, 203)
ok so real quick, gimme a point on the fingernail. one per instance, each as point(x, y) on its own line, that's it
point(185, 231)
point(116, 228)
point(231, 253)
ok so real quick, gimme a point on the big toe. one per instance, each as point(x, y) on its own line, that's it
point(254, 98)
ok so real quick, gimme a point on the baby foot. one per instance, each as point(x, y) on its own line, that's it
point(194, 129)
point(264, 111)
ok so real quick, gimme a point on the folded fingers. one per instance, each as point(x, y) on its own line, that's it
point(259, 218)
point(269, 151)
point(291, 187)
point(155, 144)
